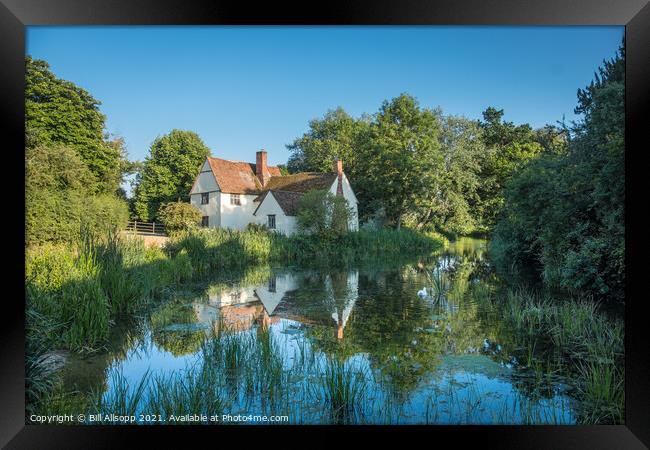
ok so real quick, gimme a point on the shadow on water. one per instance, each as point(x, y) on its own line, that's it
point(404, 342)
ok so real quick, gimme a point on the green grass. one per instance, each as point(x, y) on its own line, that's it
point(343, 391)
point(214, 249)
point(592, 343)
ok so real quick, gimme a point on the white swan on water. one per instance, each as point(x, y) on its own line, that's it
point(422, 292)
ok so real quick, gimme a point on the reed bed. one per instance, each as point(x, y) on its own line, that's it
point(592, 342)
point(214, 249)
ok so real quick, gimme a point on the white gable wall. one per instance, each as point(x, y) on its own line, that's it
point(348, 194)
point(205, 181)
point(283, 223)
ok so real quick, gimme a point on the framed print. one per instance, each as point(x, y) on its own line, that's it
point(380, 218)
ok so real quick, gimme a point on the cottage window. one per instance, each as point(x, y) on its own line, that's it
point(272, 284)
point(205, 198)
point(205, 221)
point(234, 199)
point(271, 221)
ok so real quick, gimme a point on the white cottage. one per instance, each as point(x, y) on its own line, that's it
point(232, 194)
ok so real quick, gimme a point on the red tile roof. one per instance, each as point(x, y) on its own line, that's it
point(237, 177)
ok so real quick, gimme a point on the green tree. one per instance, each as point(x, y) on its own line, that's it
point(59, 112)
point(336, 135)
point(59, 197)
point(452, 207)
point(510, 147)
point(402, 159)
point(565, 213)
point(168, 172)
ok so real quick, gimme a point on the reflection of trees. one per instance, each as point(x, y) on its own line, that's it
point(185, 338)
point(403, 334)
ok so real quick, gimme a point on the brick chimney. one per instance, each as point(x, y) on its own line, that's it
point(261, 167)
point(338, 168)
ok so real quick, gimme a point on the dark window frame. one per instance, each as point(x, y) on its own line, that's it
point(270, 220)
point(205, 221)
point(205, 198)
point(235, 199)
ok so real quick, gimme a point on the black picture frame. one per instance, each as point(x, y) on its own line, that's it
point(15, 15)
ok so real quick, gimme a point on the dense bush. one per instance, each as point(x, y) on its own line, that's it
point(59, 198)
point(179, 216)
point(564, 214)
point(321, 212)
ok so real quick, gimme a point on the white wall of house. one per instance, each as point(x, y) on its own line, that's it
point(348, 194)
point(283, 223)
point(212, 209)
point(237, 216)
point(341, 317)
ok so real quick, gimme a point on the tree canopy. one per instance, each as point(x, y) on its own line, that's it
point(168, 172)
point(415, 166)
point(59, 112)
point(565, 212)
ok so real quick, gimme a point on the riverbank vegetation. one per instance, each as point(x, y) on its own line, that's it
point(564, 213)
point(82, 288)
point(590, 343)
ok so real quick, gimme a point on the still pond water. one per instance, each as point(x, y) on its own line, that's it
point(420, 342)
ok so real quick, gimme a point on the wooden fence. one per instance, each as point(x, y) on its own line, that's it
point(146, 228)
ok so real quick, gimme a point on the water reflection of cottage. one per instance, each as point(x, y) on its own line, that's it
point(328, 300)
point(343, 299)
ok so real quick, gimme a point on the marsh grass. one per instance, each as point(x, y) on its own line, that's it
point(592, 343)
point(439, 283)
point(343, 391)
point(39, 372)
point(123, 399)
point(214, 249)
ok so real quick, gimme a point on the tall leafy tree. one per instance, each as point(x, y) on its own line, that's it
point(59, 112)
point(168, 172)
point(402, 158)
point(510, 147)
point(336, 135)
point(453, 207)
point(565, 213)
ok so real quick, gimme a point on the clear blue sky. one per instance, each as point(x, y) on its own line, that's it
point(246, 88)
